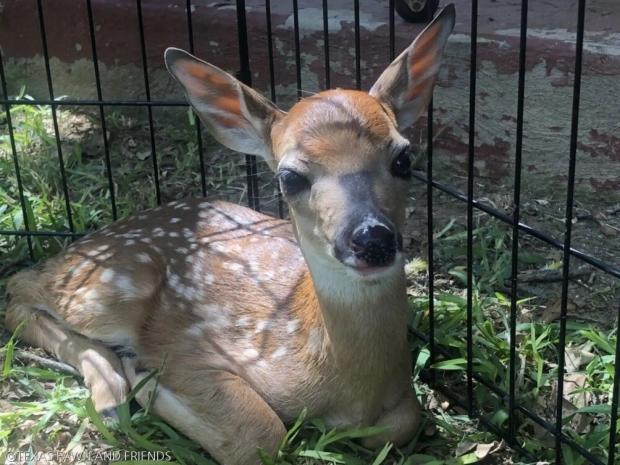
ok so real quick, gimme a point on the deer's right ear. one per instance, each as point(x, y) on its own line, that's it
point(407, 83)
point(236, 115)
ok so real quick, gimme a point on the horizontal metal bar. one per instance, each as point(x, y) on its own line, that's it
point(5, 232)
point(86, 102)
point(451, 191)
point(595, 262)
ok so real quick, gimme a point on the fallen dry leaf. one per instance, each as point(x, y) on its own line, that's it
point(482, 450)
point(578, 356)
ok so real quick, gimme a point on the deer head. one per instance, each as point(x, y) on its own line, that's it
point(341, 161)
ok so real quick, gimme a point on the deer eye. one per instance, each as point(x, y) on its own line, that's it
point(401, 166)
point(292, 183)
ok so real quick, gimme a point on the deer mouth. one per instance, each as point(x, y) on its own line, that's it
point(363, 269)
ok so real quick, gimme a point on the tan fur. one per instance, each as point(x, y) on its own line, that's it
point(251, 319)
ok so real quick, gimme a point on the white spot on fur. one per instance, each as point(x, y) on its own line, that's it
point(236, 267)
point(182, 250)
point(216, 317)
point(195, 330)
point(130, 242)
point(173, 234)
point(125, 285)
point(217, 246)
point(189, 292)
point(279, 352)
point(315, 341)
point(243, 322)
point(251, 353)
point(175, 220)
point(107, 275)
point(82, 265)
point(292, 326)
point(263, 325)
point(143, 257)
point(158, 232)
point(174, 280)
point(90, 294)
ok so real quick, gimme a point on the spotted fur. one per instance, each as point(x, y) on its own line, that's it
point(251, 318)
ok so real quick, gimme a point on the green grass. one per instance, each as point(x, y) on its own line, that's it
point(42, 409)
point(589, 353)
point(84, 162)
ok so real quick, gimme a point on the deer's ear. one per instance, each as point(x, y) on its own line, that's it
point(236, 115)
point(407, 83)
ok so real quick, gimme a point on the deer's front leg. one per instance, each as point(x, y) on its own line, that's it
point(225, 416)
point(400, 422)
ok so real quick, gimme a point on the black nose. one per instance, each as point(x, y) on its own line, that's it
point(375, 244)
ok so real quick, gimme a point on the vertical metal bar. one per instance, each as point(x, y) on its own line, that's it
point(392, 31)
point(430, 239)
point(147, 90)
point(297, 46)
point(326, 45)
point(470, 205)
point(613, 424)
point(272, 85)
point(516, 200)
point(20, 187)
point(203, 170)
point(358, 57)
point(569, 226)
point(104, 130)
point(50, 87)
point(245, 76)
point(272, 77)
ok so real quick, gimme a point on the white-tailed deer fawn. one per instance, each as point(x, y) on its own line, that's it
point(257, 318)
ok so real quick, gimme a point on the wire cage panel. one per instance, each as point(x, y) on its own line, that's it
point(141, 133)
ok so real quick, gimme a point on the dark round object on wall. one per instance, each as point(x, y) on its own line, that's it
point(416, 11)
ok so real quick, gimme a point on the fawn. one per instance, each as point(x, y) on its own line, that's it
point(256, 317)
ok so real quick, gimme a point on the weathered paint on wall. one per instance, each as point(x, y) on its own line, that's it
point(550, 62)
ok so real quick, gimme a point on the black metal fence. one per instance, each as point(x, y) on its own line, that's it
point(519, 229)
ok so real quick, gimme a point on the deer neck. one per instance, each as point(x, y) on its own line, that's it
point(356, 315)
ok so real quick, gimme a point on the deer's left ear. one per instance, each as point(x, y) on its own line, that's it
point(407, 83)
